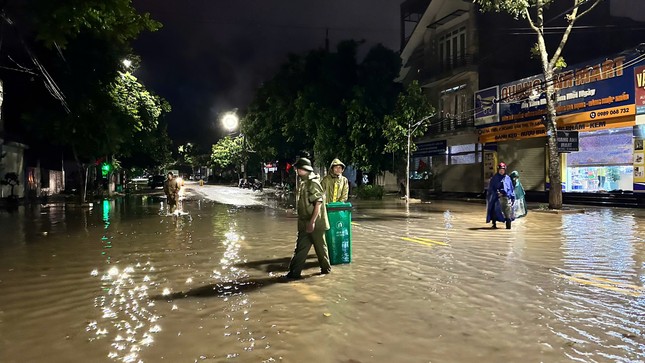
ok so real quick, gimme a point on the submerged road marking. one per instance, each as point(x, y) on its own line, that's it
point(306, 291)
point(432, 241)
point(590, 280)
point(612, 282)
point(424, 241)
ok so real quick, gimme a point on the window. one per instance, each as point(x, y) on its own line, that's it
point(455, 102)
point(464, 154)
point(452, 48)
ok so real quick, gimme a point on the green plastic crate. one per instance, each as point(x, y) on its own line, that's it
point(339, 235)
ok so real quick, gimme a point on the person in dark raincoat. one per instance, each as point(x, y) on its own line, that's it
point(312, 221)
point(519, 207)
point(500, 198)
point(171, 189)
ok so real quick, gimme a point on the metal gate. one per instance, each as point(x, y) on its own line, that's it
point(528, 157)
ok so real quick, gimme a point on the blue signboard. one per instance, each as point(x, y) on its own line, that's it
point(431, 148)
point(599, 85)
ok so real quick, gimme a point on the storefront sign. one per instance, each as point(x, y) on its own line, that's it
point(568, 141)
point(639, 159)
point(639, 82)
point(487, 106)
point(530, 129)
point(587, 87)
point(598, 90)
point(431, 148)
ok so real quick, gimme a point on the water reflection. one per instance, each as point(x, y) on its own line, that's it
point(601, 313)
point(126, 318)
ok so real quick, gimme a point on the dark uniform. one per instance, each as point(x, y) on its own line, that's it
point(310, 193)
point(171, 188)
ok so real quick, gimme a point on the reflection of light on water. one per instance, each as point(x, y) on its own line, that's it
point(238, 309)
point(106, 211)
point(124, 312)
point(601, 299)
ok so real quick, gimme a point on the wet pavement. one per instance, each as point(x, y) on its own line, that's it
point(123, 282)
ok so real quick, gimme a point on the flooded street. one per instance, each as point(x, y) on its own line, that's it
point(122, 282)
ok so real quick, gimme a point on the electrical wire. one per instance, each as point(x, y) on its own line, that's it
point(48, 80)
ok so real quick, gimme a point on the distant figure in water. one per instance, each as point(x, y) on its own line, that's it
point(171, 188)
point(519, 207)
point(500, 198)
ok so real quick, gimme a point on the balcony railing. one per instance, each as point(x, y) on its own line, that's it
point(441, 67)
point(451, 124)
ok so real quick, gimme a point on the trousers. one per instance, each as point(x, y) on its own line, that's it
point(303, 245)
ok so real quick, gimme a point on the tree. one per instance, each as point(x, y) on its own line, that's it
point(193, 156)
point(374, 97)
point(409, 120)
point(88, 103)
point(329, 103)
point(228, 152)
point(533, 12)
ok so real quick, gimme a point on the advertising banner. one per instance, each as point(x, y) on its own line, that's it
point(487, 106)
point(639, 159)
point(597, 91)
point(639, 82)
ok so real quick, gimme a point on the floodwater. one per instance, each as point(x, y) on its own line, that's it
point(122, 282)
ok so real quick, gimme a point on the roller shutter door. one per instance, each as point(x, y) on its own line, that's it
point(528, 158)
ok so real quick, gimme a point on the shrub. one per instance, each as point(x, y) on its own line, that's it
point(369, 192)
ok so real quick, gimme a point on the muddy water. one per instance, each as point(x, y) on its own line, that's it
point(122, 283)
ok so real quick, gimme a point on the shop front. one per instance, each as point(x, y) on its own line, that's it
point(597, 100)
point(604, 162)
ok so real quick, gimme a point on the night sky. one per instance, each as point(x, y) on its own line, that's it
point(211, 55)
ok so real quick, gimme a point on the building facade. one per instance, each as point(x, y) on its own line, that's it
point(474, 66)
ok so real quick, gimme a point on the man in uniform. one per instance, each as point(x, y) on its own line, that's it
point(336, 186)
point(312, 221)
point(171, 188)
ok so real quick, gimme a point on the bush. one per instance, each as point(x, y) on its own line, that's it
point(369, 192)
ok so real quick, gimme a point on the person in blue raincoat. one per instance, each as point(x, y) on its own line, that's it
point(500, 198)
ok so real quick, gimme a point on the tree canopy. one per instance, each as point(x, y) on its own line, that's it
point(87, 99)
point(328, 103)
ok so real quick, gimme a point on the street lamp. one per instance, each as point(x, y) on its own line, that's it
point(411, 128)
point(231, 122)
point(127, 63)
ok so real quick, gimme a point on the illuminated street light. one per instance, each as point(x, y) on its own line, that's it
point(127, 63)
point(230, 121)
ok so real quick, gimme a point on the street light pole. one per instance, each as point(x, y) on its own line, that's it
point(231, 122)
point(411, 129)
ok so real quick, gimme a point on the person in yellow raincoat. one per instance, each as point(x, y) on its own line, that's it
point(336, 186)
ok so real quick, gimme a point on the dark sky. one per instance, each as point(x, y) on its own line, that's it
point(211, 55)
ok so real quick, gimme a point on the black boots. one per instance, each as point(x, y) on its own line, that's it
point(508, 224)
